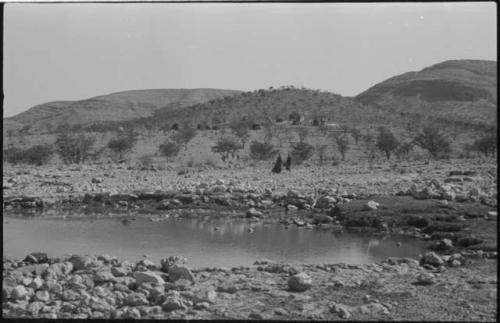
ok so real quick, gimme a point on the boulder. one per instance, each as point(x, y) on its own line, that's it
point(425, 279)
point(80, 262)
point(341, 310)
point(19, 293)
point(325, 202)
point(177, 272)
point(371, 205)
point(252, 212)
point(136, 299)
point(36, 258)
point(120, 271)
point(431, 258)
point(42, 296)
point(148, 277)
point(104, 277)
point(299, 282)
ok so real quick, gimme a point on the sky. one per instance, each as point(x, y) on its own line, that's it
point(77, 51)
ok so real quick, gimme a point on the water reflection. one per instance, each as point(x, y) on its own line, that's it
point(196, 238)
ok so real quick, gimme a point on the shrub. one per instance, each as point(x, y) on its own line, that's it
point(403, 150)
point(261, 150)
point(342, 144)
point(184, 135)
point(321, 151)
point(146, 161)
point(386, 142)
point(226, 146)
point(36, 155)
point(486, 145)
point(169, 149)
point(74, 148)
point(241, 130)
point(433, 141)
point(294, 117)
point(121, 145)
point(356, 134)
point(301, 152)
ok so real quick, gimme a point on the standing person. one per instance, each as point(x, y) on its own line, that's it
point(277, 165)
point(288, 162)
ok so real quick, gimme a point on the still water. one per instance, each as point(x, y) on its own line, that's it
point(209, 242)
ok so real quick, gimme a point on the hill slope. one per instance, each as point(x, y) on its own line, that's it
point(118, 106)
point(457, 90)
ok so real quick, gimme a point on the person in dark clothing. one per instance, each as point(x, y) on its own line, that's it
point(277, 165)
point(288, 162)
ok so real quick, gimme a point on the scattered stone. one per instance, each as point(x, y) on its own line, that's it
point(42, 296)
point(299, 282)
point(177, 272)
point(425, 279)
point(341, 310)
point(252, 212)
point(431, 258)
point(148, 277)
point(371, 205)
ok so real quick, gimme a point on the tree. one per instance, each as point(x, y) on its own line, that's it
point(226, 146)
point(184, 135)
point(321, 150)
point(486, 145)
point(36, 155)
point(241, 130)
point(342, 143)
point(120, 145)
point(261, 150)
point(433, 141)
point(370, 148)
point(301, 152)
point(74, 148)
point(169, 149)
point(356, 134)
point(386, 141)
point(303, 132)
point(294, 117)
point(403, 150)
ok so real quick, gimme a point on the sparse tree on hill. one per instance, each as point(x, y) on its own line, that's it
point(301, 152)
point(356, 134)
point(261, 150)
point(342, 143)
point(386, 142)
point(433, 141)
point(169, 149)
point(225, 147)
point(321, 151)
point(486, 145)
point(184, 135)
point(403, 150)
point(120, 145)
point(74, 148)
point(303, 132)
point(241, 130)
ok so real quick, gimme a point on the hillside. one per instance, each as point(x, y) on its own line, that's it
point(456, 90)
point(118, 106)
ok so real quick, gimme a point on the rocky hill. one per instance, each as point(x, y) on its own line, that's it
point(118, 106)
point(456, 90)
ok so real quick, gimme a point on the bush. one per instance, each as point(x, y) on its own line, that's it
point(120, 145)
point(226, 146)
point(486, 145)
point(403, 150)
point(169, 149)
point(184, 135)
point(342, 144)
point(261, 150)
point(36, 155)
point(146, 161)
point(433, 141)
point(241, 130)
point(301, 152)
point(386, 141)
point(74, 148)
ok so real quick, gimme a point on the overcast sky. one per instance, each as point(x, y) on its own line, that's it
point(76, 51)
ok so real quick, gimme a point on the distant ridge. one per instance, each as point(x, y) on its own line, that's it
point(118, 106)
point(459, 90)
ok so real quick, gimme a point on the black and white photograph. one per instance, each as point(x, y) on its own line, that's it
point(250, 161)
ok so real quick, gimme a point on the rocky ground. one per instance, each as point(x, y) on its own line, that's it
point(451, 205)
